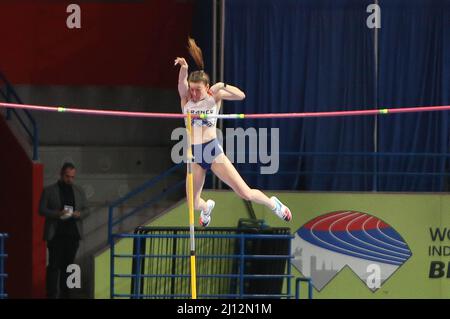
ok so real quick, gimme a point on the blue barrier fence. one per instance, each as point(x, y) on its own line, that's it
point(298, 281)
point(3, 275)
point(231, 263)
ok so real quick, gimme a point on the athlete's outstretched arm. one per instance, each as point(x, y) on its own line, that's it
point(222, 91)
point(183, 86)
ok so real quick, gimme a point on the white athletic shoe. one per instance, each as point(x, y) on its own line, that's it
point(205, 217)
point(281, 210)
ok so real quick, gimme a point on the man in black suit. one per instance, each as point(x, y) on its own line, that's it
point(63, 205)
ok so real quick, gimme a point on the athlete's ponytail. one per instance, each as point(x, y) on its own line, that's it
point(197, 55)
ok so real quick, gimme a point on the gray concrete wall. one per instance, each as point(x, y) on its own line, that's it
point(77, 129)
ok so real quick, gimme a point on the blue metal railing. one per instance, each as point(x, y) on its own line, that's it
point(3, 275)
point(153, 200)
point(297, 287)
point(240, 275)
point(10, 96)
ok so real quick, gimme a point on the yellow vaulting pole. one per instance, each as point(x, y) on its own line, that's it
point(190, 199)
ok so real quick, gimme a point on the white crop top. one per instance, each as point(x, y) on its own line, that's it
point(206, 106)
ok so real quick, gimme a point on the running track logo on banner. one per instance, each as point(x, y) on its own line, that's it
point(327, 244)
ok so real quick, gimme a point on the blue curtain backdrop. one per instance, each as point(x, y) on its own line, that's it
point(304, 56)
point(414, 71)
point(318, 55)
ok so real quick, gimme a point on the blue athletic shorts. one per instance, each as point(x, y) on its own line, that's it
point(204, 154)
